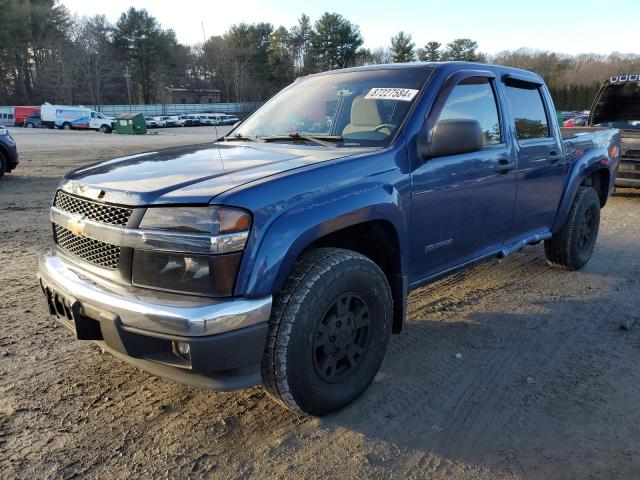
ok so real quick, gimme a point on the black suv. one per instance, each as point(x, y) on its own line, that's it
point(8, 152)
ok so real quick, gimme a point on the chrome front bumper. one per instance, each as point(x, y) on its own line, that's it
point(142, 310)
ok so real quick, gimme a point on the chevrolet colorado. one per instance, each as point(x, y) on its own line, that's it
point(283, 253)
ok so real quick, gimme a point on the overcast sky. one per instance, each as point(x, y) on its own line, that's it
point(567, 26)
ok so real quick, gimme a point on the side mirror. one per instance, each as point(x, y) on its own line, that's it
point(451, 137)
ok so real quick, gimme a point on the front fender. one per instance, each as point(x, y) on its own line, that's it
point(585, 165)
point(287, 235)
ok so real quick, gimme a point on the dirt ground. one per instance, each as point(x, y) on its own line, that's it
point(509, 370)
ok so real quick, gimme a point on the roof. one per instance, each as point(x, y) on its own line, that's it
point(523, 74)
point(128, 115)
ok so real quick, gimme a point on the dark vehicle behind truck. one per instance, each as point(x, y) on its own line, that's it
point(283, 254)
point(617, 105)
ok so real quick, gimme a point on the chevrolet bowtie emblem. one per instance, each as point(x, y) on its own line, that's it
point(76, 226)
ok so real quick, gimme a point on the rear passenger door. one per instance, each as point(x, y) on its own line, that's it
point(541, 163)
point(462, 205)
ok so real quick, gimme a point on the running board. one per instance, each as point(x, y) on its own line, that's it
point(535, 238)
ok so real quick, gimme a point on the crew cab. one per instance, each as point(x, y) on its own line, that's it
point(617, 104)
point(283, 253)
point(8, 152)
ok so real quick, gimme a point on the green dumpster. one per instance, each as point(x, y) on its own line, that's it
point(131, 124)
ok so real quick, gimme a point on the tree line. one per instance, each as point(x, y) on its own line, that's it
point(48, 55)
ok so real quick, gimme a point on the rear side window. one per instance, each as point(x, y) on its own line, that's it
point(527, 109)
point(473, 98)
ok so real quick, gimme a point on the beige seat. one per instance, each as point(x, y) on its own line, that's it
point(364, 117)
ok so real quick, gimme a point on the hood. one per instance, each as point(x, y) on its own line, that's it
point(193, 174)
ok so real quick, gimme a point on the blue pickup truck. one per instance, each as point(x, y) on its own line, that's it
point(283, 253)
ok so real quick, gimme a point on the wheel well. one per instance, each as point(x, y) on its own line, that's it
point(599, 180)
point(378, 241)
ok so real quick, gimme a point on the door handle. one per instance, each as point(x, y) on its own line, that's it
point(503, 165)
point(554, 156)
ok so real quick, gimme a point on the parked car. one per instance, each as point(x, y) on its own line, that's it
point(284, 257)
point(168, 121)
point(33, 121)
point(223, 119)
point(214, 118)
point(567, 115)
point(151, 122)
point(8, 152)
point(192, 121)
point(160, 122)
point(227, 119)
point(579, 121)
point(205, 120)
point(179, 120)
point(617, 105)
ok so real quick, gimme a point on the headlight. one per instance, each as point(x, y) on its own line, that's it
point(210, 275)
point(4, 131)
point(227, 228)
point(223, 231)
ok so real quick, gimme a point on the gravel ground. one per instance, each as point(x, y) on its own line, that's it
point(507, 370)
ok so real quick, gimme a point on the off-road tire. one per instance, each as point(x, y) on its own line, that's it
point(318, 282)
point(568, 248)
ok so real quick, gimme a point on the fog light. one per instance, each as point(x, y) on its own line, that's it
point(181, 349)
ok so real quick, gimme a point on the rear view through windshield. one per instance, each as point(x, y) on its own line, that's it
point(618, 106)
point(361, 108)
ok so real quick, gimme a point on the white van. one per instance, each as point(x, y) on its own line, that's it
point(71, 117)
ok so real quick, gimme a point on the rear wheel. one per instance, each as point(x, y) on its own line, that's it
point(66, 126)
point(571, 247)
point(328, 332)
point(30, 125)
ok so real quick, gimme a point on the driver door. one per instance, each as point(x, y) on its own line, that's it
point(462, 205)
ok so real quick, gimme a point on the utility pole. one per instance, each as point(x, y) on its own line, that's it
point(127, 76)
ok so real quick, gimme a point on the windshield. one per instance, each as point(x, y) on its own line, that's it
point(618, 105)
point(359, 108)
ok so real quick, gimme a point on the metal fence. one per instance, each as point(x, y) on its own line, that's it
point(241, 109)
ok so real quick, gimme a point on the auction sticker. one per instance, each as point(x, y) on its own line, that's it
point(404, 94)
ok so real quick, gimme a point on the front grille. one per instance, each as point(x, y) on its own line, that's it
point(98, 212)
point(628, 174)
point(98, 253)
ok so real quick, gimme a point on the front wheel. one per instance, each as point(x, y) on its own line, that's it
point(328, 332)
point(105, 129)
point(66, 126)
point(571, 247)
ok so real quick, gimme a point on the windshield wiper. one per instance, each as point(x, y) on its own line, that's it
point(239, 137)
point(318, 139)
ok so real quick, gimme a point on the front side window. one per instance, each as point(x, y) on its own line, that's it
point(473, 98)
point(358, 108)
point(527, 109)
